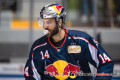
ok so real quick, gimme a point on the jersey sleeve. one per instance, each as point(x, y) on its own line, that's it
point(30, 70)
point(98, 57)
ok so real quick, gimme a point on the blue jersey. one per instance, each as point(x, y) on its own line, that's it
point(70, 61)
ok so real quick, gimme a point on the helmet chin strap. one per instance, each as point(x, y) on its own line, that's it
point(67, 33)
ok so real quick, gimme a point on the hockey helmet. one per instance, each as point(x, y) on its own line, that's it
point(55, 11)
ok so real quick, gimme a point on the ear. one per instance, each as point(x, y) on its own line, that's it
point(60, 22)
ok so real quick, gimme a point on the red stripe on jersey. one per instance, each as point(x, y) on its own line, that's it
point(64, 39)
point(92, 45)
point(31, 63)
point(51, 43)
point(97, 58)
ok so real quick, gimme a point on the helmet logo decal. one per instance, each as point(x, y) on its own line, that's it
point(58, 8)
point(43, 12)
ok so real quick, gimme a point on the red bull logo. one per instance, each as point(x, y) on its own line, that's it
point(57, 8)
point(52, 70)
point(43, 12)
point(62, 70)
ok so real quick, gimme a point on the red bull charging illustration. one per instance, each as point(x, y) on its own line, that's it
point(63, 71)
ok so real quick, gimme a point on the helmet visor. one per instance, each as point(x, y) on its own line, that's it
point(43, 23)
point(40, 22)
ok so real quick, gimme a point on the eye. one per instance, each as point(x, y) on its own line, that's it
point(48, 22)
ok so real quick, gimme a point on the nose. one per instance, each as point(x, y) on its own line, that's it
point(45, 26)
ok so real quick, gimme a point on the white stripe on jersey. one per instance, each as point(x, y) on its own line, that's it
point(93, 50)
point(40, 45)
point(35, 73)
point(78, 38)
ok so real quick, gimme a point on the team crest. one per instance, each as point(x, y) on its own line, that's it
point(74, 49)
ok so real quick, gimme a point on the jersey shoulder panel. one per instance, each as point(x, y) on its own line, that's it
point(40, 41)
point(81, 37)
point(77, 33)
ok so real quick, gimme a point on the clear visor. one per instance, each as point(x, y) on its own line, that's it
point(40, 22)
point(44, 23)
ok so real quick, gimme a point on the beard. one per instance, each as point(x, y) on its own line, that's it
point(53, 32)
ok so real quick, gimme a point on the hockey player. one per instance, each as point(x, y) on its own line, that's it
point(63, 54)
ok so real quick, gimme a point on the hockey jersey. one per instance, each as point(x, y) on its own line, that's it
point(70, 61)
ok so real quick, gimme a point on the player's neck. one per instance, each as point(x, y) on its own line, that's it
point(59, 36)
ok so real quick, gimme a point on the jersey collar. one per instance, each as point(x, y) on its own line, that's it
point(62, 43)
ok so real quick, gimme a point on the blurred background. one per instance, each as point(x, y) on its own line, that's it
point(19, 29)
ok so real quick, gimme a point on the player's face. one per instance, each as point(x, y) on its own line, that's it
point(50, 25)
